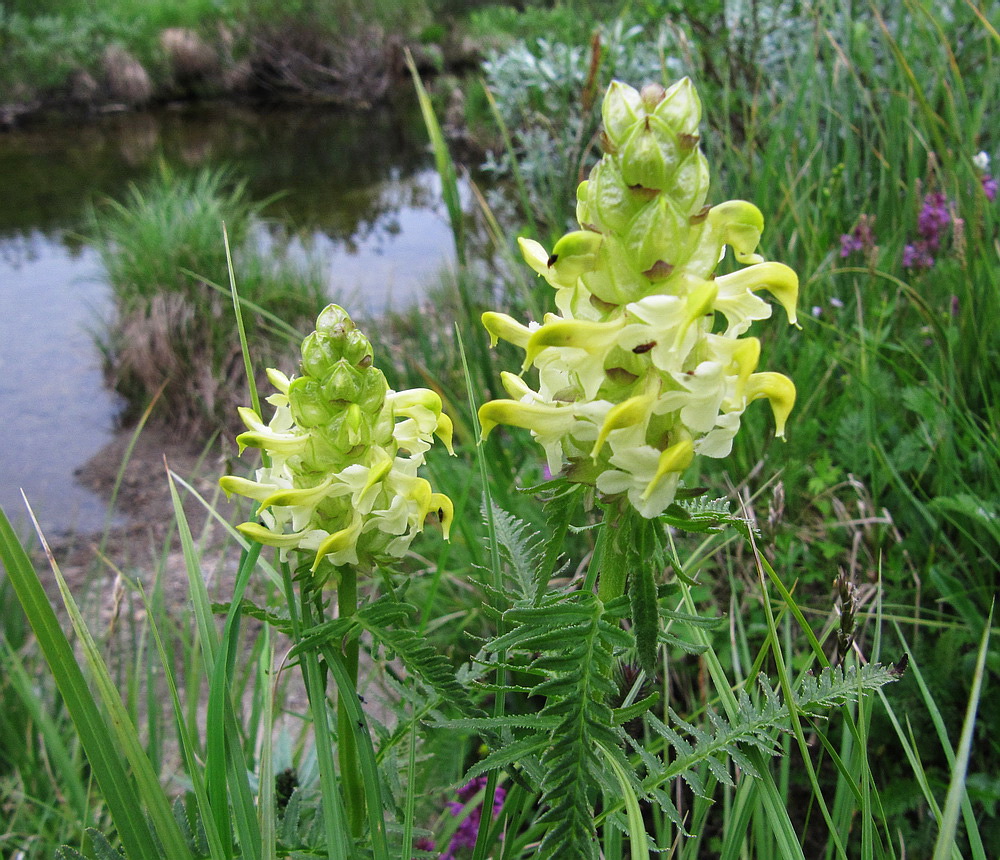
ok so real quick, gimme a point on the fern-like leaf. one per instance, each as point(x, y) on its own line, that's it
point(715, 744)
point(524, 552)
point(705, 515)
point(387, 621)
point(570, 642)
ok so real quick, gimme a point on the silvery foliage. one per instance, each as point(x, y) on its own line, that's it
point(538, 89)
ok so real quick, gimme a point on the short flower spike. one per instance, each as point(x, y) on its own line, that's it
point(344, 452)
point(635, 375)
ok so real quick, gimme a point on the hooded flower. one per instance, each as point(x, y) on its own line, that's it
point(647, 363)
point(342, 452)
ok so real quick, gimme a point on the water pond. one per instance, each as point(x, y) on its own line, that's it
point(360, 189)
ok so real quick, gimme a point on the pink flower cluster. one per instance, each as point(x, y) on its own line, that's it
point(936, 217)
point(465, 836)
point(932, 222)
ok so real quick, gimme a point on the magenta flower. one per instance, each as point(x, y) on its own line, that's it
point(917, 256)
point(989, 187)
point(861, 238)
point(465, 835)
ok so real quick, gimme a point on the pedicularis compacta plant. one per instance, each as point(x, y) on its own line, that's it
point(647, 366)
point(635, 377)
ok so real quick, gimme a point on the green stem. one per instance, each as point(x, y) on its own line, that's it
point(347, 750)
point(336, 841)
point(618, 526)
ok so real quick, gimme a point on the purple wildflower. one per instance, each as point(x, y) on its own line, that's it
point(849, 243)
point(933, 219)
point(989, 187)
point(917, 256)
point(465, 835)
point(425, 843)
point(861, 238)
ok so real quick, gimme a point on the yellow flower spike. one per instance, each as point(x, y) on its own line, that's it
point(242, 487)
point(503, 327)
point(590, 336)
point(778, 389)
point(337, 542)
point(628, 413)
point(777, 278)
point(675, 459)
point(261, 534)
point(529, 416)
point(637, 359)
point(347, 450)
point(445, 511)
point(309, 496)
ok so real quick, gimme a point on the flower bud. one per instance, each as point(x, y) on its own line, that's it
point(621, 109)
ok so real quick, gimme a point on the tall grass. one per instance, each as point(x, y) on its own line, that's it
point(866, 118)
point(165, 259)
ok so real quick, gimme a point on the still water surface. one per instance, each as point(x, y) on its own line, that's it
point(358, 189)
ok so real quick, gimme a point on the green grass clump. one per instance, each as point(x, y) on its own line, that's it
point(165, 260)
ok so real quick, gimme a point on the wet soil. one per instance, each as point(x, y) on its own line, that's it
point(141, 538)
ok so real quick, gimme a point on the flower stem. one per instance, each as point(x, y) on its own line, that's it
point(347, 751)
point(333, 813)
point(618, 526)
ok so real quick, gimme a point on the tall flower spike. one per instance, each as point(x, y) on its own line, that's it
point(635, 374)
point(344, 452)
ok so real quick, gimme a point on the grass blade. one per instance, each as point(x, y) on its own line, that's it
point(945, 843)
point(129, 799)
point(444, 163)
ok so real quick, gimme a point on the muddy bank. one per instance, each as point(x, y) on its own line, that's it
point(357, 70)
point(142, 523)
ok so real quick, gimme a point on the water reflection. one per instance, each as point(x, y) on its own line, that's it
point(56, 409)
point(357, 190)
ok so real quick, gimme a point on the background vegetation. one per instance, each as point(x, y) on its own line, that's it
point(837, 120)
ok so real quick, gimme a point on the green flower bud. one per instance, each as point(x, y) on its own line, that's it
point(680, 108)
point(344, 450)
point(621, 110)
point(634, 379)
